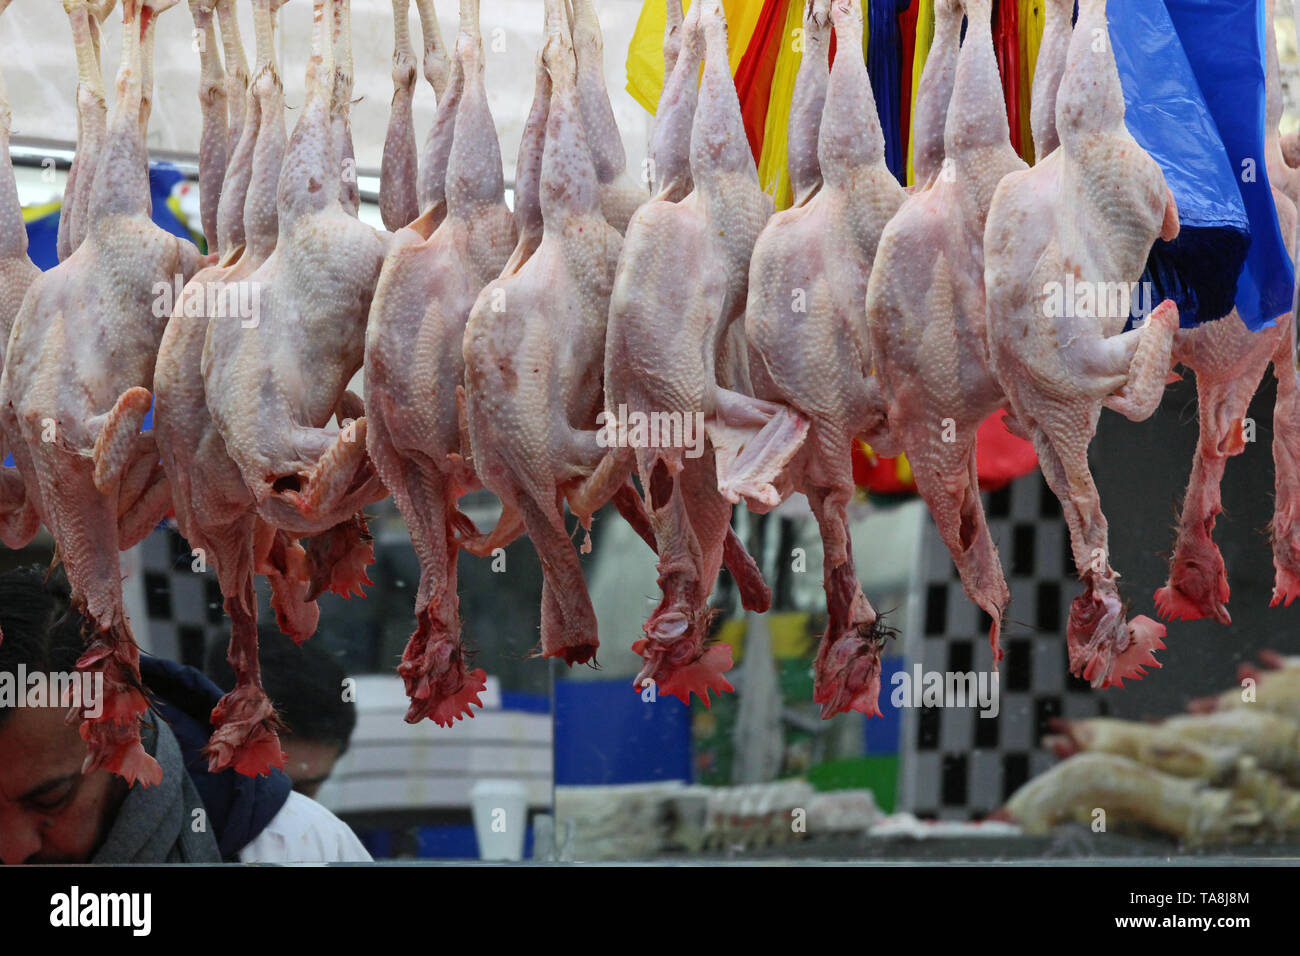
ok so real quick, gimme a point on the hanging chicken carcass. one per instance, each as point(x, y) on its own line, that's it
point(679, 291)
point(415, 363)
point(19, 517)
point(1090, 210)
point(273, 384)
point(807, 326)
point(77, 376)
point(926, 308)
point(534, 348)
point(1230, 360)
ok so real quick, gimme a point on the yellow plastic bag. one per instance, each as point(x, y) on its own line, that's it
point(645, 54)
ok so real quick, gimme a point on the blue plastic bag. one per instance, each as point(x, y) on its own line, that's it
point(1224, 41)
point(1194, 92)
point(1168, 116)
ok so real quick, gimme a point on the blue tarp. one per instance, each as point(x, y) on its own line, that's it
point(1193, 78)
point(1224, 41)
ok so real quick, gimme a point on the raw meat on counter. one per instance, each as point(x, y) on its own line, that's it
point(1228, 774)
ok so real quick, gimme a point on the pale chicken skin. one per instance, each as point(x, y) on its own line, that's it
point(77, 375)
point(86, 20)
point(681, 288)
point(533, 351)
point(19, 517)
point(274, 383)
point(806, 326)
point(1091, 209)
point(926, 310)
point(399, 201)
point(414, 364)
point(213, 507)
point(620, 196)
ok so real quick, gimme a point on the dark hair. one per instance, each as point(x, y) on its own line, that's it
point(304, 682)
point(38, 628)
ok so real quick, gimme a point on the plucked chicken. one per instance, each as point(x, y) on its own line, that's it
point(274, 383)
point(680, 287)
point(414, 364)
point(806, 325)
point(926, 308)
point(1091, 209)
point(19, 518)
point(77, 376)
point(533, 350)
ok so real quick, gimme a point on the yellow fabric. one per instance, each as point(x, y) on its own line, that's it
point(1032, 15)
point(32, 213)
point(789, 632)
point(645, 54)
point(773, 174)
point(924, 37)
point(866, 27)
point(903, 470)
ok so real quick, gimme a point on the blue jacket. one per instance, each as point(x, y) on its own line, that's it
point(239, 807)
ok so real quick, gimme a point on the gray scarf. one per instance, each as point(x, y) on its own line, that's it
point(158, 824)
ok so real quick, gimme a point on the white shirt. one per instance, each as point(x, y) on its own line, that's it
point(305, 832)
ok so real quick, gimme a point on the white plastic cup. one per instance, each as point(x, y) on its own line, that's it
point(500, 818)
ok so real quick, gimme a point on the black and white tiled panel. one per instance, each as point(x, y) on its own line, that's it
point(184, 607)
point(957, 765)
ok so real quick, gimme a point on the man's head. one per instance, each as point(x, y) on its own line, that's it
point(49, 811)
point(306, 686)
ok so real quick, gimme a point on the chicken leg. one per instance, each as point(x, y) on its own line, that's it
point(397, 173)
point(619, 195)
point(92, 127)
point(1053, 53)
point(213, 133)
point(341, 100)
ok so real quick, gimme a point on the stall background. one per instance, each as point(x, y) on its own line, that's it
point(406, 789)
